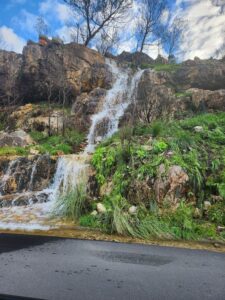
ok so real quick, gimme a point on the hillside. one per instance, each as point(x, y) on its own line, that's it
point(127, 145)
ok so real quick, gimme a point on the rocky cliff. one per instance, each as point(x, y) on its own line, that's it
point(83, 77)
point(46, 71)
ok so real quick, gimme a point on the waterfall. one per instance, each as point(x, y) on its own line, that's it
point(73, 169)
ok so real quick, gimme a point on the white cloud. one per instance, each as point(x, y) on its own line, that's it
point(65, 33)
point(10, 41)
point(25, 20)
point(205, 29)
point(54, 9)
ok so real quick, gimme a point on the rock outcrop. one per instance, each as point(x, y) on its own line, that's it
point(18, 138)
point(24, 174)
point(44, 70)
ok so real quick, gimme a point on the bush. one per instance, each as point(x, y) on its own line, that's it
point(58, 143)
point(89, 221)
point(216, 213)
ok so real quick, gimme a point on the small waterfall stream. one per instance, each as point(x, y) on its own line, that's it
point(73, 169)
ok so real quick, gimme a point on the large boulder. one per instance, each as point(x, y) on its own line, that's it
point(18, 138)
point(170, 185)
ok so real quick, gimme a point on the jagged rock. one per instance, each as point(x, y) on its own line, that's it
point(140, 192)
point(10, 65)
point(101, 208)
point(154, 99)
point(201, 74)
point(23, 199)
point(83, 70)
point(170, 184)
point(25, 174)
point(136, 58)
point(86, 105)
point(205, 100)
point(17, 138)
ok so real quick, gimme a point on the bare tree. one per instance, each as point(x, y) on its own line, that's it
point(150, 14)
point(49, 86)
point(98, 15)
point(172, 36)
point(108, 42)
point(41, 27)
point(65, 91)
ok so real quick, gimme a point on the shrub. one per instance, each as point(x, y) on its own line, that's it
point(216, 213)
point(89, 221)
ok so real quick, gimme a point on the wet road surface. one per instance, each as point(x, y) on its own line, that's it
point(56, 268)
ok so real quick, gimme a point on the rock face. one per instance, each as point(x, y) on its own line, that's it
point(24, 174)
point(170, 184)
point(208, 100)
point(135, 59)
point(86, 105)
point(52, 67)
point(201, 74)
point(10, 66)
point(85, 77)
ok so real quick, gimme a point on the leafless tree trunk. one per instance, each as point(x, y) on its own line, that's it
point(150, 14)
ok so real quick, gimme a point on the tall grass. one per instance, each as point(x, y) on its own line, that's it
point(72, 205)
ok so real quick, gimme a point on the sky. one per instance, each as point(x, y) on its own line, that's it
point(204, 35)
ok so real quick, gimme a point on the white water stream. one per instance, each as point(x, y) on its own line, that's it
point(73, 169)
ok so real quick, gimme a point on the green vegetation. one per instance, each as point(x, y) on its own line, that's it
point(4, 151)
point(183, 94)
point(57, 143)
point(130, 161)
point(161, 67)
point(72, 205)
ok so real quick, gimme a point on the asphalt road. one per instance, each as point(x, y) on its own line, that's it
point(53, 268)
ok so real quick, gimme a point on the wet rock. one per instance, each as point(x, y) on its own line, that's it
point(25, 174)
point(86, 105)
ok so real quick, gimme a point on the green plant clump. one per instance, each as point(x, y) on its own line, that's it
point(57, 143)
point(133, 158)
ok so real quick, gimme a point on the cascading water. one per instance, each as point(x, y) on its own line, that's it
point(73, 169)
